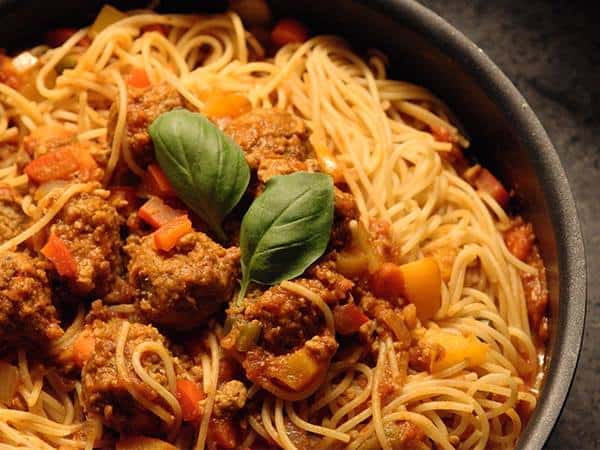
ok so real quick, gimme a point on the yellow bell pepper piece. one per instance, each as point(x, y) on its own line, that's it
point(456, 348)
point(106, 17)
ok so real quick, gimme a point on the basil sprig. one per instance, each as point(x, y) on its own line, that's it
point(286, 228)
point(207, 169)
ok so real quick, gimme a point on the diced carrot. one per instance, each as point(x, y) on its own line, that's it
point(59, 36)
point(222, 432)
point(158, 27)
point(189, 396)
point(486, 182)
point(156, 182)
point(138, 78)
point(289, 31)
point(60, 255)
point(226, 104)
point(348, 318)
point(157, 213)
point(83, 347)
point(167, 236)
point(387, 281)
point(56, 165)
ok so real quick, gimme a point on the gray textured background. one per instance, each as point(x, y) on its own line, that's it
point(551, 52)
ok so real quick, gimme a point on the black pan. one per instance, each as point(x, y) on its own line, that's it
point(505, 133)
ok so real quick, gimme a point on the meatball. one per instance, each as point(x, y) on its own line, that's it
point(291, 354)
point(106, 388)
point(89, 226)
point(287, 320)
point(27, 315)
point(143, 106)
point(274, 142)
point(12, 218)
point(185, 286)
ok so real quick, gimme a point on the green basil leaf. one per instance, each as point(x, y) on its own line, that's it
point(206, 168)
point(287, 228)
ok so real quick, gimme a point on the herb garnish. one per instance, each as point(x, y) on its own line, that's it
point(286, 228)
point(206, 168)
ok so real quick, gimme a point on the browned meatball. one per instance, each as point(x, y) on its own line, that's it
point(287, 320)
point(89, 226)
point(12, 218)
point(143, 106)
point(27, 315)
point(106, 390)
point(274, 142)
point(185, 286)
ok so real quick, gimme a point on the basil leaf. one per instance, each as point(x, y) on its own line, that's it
point(287, 228)
point(206, 168)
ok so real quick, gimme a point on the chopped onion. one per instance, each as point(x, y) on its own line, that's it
point(9, 381)
point(23, 62)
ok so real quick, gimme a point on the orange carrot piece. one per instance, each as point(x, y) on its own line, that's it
point(167, 236)
point(157, 213)
point(57, 165)
point(59, 254)
point(156, 182)
point(289, 31)
point(83, 348)
point(189, 396)
point(224, 104)
point(138, 78)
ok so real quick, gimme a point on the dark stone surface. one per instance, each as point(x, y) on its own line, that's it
point(551, 52)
